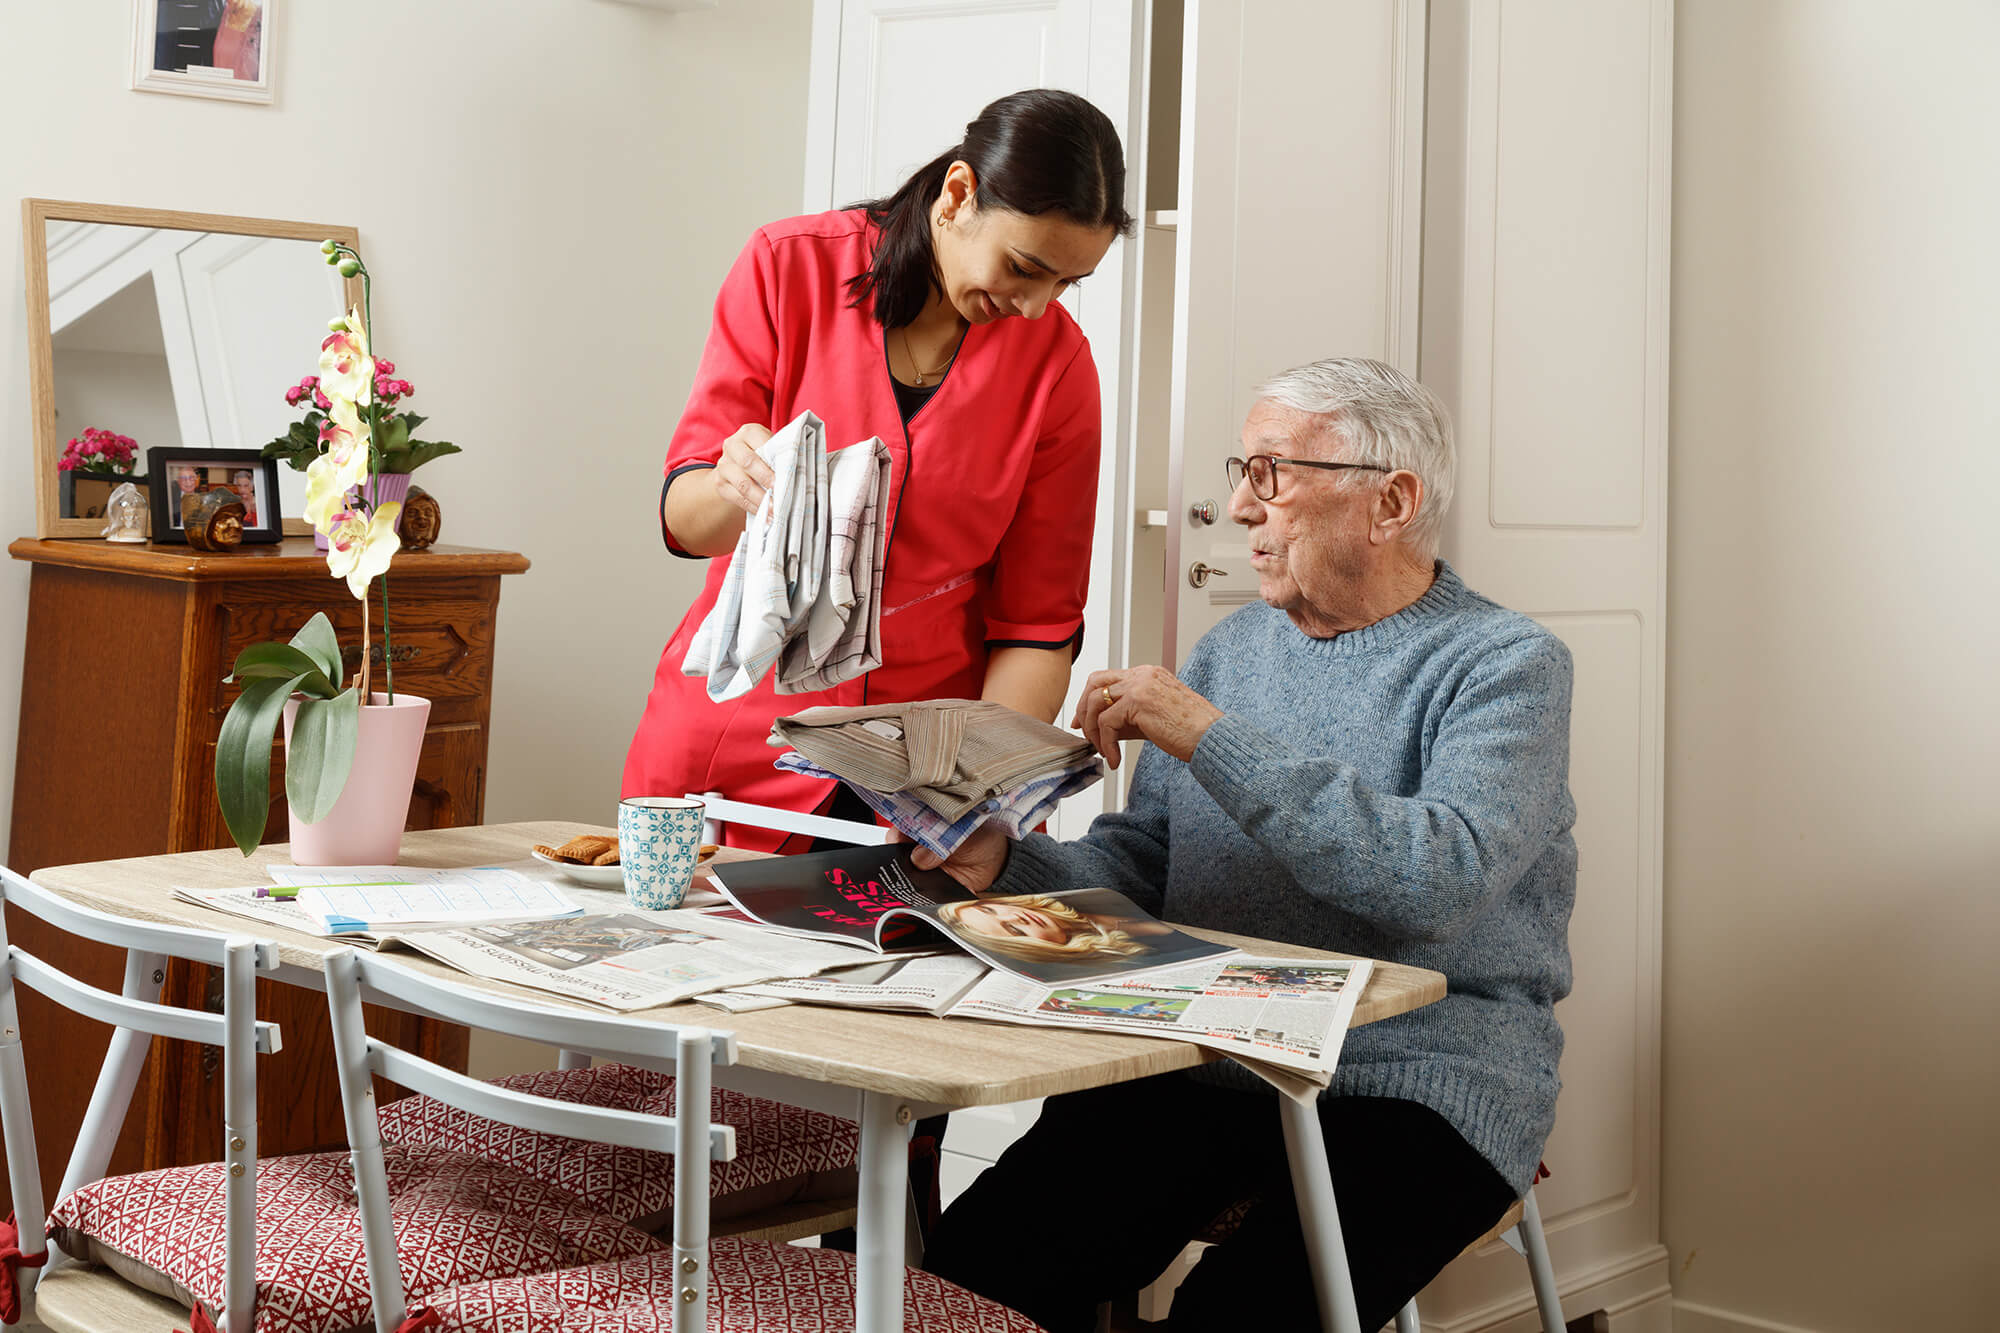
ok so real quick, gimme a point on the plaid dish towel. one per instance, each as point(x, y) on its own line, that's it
point(843, 631)
point(1017, 811)
point(775, 574)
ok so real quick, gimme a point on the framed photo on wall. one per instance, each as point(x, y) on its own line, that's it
point(203, 48)
point(176, 471)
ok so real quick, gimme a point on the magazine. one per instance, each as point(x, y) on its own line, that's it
point(1290, 1013)
point(875, 898)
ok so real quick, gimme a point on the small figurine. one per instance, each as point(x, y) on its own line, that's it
point(421, 519)
point(213, 520)
point(126, 515)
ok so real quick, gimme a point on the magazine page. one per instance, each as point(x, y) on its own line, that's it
point(626, 961)
point(1291, 1013)
point(875, 897)
point(925, 985)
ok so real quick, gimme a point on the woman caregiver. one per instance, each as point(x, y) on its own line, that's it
point(928, 319)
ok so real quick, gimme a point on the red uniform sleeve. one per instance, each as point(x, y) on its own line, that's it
point(732, 386)
point(1041, 572)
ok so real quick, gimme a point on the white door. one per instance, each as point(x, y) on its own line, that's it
point(1298, 228)
point(1548, 198)
point(892, 84)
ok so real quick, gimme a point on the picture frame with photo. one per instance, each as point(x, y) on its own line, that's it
point(203, 48)
point(177, 470)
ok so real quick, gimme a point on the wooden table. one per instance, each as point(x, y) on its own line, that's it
point(884, 1071)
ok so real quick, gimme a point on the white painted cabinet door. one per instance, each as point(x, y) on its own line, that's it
point(1545, 330)
point(1301, 144)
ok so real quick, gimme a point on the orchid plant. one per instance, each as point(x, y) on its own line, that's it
point(342, 502)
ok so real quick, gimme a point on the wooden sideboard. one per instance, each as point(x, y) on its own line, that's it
point(122, 697)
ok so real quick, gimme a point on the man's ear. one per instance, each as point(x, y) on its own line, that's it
point(1397, 503)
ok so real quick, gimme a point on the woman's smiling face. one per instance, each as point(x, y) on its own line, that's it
point(995, 262)
point(1011, 919)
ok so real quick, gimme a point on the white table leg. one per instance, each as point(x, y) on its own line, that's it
point(1312, 1183)
point(880, 1214)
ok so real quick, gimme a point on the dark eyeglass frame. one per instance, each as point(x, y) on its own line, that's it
point(1237, 469)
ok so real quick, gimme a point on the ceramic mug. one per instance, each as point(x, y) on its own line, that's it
point(659, 840)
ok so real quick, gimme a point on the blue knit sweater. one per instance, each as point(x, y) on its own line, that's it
point(1401, 792)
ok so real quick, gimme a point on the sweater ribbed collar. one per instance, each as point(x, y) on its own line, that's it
point(1446, 595)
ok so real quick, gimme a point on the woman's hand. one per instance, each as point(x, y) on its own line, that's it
point(978, 860)
point(1143, 703)
point(742, 478)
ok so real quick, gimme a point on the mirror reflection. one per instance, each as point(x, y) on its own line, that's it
point(183, 338)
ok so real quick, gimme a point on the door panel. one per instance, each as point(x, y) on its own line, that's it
point(1296, 240)
point(1545, 323)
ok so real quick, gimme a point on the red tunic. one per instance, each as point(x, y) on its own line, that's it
point(992, 497)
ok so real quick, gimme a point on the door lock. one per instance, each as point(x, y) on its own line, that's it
point(1199, 573)
point(1203, 513)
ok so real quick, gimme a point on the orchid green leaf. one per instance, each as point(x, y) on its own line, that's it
point(243, 758)
point(320, 753)
point(318, 641)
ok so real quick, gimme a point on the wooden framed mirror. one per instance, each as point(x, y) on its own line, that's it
point(169, 328)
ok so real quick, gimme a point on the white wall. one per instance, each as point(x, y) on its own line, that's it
point(549, 195)
point(1833, 852)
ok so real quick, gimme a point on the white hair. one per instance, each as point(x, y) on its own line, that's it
point(1386, 419)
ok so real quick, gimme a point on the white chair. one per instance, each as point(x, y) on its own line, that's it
point(1519, 1228)
point(751, 1283)
point(77, 1298)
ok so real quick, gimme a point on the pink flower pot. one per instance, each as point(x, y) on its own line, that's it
point(365, 826)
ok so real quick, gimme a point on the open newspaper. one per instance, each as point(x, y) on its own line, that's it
point(622, 960)
point(875, 898)
point(919, 985)
point(1288, 1013)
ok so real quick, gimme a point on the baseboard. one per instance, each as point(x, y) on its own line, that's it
point(1691, 1317)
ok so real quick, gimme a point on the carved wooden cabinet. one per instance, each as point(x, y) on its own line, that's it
point(122, 697)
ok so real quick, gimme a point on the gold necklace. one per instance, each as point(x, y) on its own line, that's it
point(921, 372)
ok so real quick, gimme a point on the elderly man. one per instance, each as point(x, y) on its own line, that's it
point(1375, 761)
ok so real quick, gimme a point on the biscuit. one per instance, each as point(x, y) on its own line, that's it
point(586, 847)
point(607, 857)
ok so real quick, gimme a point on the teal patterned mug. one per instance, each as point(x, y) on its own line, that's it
point(659, 840)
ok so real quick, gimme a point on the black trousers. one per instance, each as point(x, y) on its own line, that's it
point(1099, 1196)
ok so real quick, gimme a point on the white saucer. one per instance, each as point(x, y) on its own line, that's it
point(596, 877)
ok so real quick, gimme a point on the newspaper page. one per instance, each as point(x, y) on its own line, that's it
point(627, 961)
point(924, 985)
point(1288, 1013)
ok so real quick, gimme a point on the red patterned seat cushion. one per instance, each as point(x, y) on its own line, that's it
point(458, 1219)
point(753, 1285)
point(783, 1154)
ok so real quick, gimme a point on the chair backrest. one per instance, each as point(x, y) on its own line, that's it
point(688, 1134)
point(722, 810)
point(135, 1019)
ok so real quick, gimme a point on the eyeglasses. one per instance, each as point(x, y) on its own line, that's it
point(1262, 469)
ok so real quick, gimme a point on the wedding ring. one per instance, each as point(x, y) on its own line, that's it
point(1108, 700)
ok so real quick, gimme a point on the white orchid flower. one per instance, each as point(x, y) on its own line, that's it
point(341, 466)
point(360, 547)
point(345, 368)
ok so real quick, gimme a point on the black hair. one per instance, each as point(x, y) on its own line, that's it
point(1033, 152)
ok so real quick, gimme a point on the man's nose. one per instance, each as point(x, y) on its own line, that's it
point(1244, 506)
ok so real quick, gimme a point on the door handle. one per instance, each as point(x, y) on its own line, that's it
point(1199, 574)
point(1203, 513)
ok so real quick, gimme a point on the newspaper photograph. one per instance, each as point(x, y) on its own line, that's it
point(1291, 1013)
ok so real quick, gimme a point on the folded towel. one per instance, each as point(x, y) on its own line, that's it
point(1018, 810)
